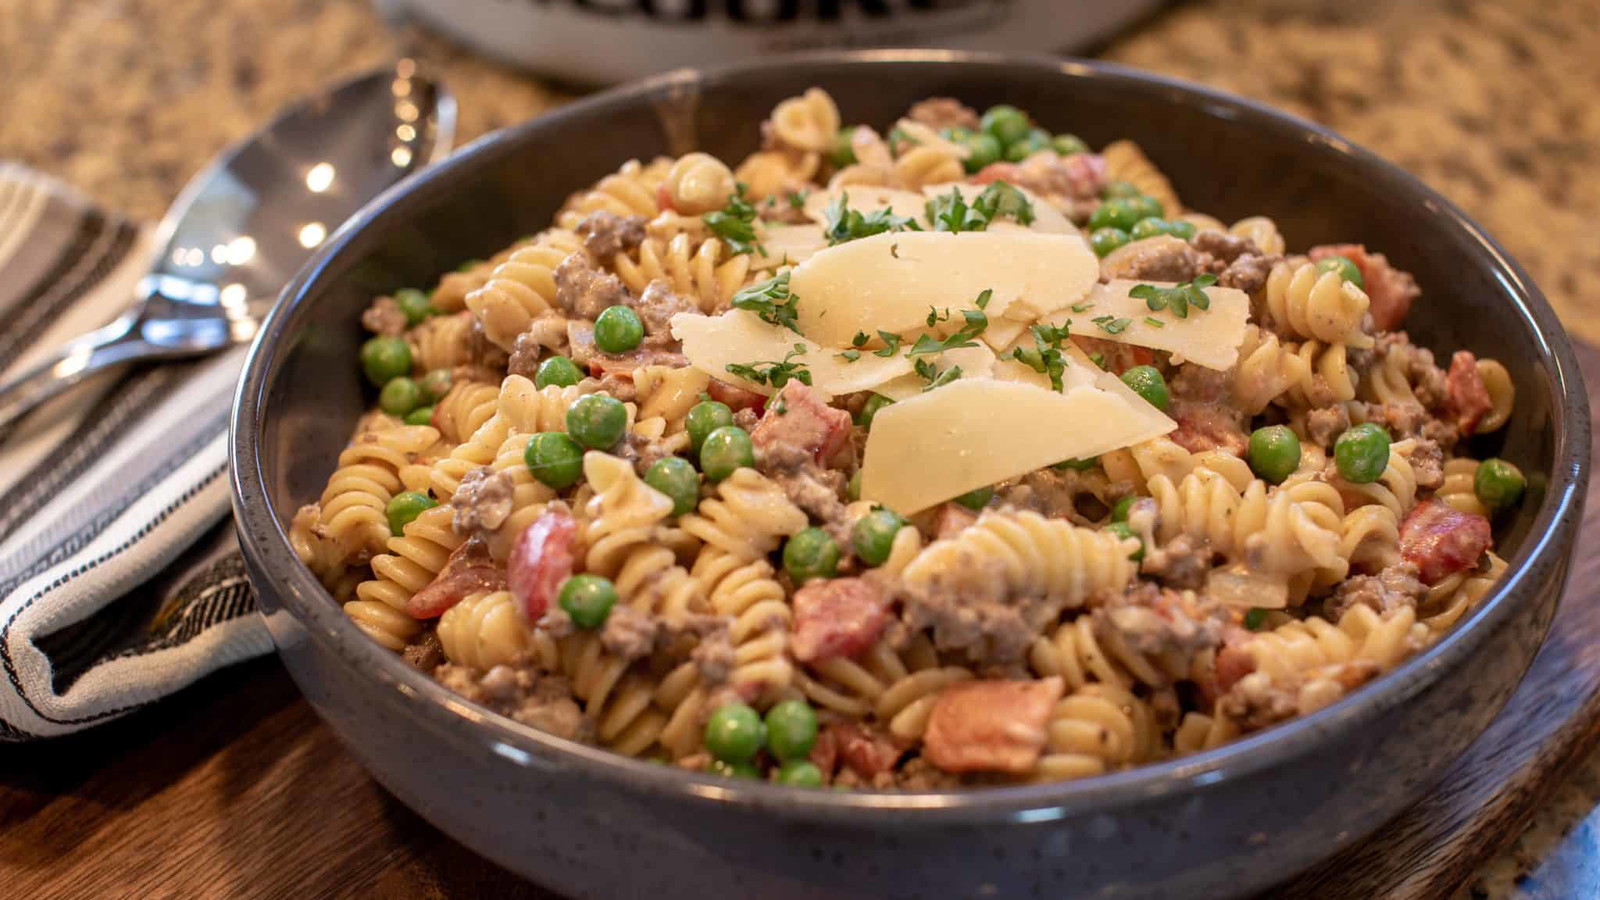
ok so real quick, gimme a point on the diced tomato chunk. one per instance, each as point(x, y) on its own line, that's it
point(469, 570)
point(837, 617)
point(1000, 171)
point(1208, 426)
point(797, 417)
point(734, 396)
point(991, 726)
point(867, 751)
point(541, 560)
point(1441, 541)
point(1468, 397)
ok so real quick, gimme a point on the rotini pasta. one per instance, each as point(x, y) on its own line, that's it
point(656, 545)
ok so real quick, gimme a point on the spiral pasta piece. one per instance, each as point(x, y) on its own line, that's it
point(1077, 653)
point(1317, 305)
point(1095, 729)
point(621, 516)
point(354, 504)
point(698, 183)
point(441, 342)
point(927, 164)
point(809, 122)
point(1022, 553)
point(616, 696)
point(853, 687)
point(1458, 488)
point(1502, 395)
point(700, 269)
point(1261, 231)
point(747, 517)
point(462, 411)
point(1395, 489)
point(630, 191)
point(1449, 601)
point(1269, 532)
point(772, 173)
point(414, 558)
point(486, 630)
point(522, 288)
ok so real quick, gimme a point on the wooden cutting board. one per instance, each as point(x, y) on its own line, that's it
point(236, 789)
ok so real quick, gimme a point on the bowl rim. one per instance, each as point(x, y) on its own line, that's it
point(1549, 539)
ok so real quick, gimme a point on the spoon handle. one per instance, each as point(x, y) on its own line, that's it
point(117, 343)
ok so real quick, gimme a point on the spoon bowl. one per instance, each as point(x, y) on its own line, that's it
point(242, 227)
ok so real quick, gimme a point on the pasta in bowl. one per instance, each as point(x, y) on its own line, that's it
point(956, 455)
point(1194, 796)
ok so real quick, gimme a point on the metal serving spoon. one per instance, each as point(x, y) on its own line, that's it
point(245, 224)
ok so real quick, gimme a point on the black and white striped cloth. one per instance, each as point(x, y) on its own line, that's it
point(120, 577)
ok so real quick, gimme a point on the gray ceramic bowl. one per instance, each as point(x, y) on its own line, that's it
point(1226, 822)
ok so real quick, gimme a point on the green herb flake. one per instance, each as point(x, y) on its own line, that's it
point(850, 355)
point(935, 378)
point(776, 374)
point(1178, 298)
point(1112, 325)
point(983, 299)
point(771, 301)
point(891, 344)
point(1154, 322)
point(797, 199)
point(735, 223)
point(846, 224)
point(1082, 307)
point(860, 340)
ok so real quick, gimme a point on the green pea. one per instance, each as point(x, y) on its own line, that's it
point(422, 415)
point(870, 409)
point(1180, 229)
point(1274, 452)
point(383, 358)
point(705, 417)
point(469, 265)
point(400, 396)
point(597, 421)
point(1007, 123)
point(801, 773)
point(1147, 382)
point(1146, 206)
point(436, 384)
point(1150, 227)
point(587, 599)
point(977, 498)
point(791, 730)
point(873, 535)
point(404, 507)
point(843, 152)
point(733, 770)
point(1124, 530)
point(983, 149)
point(414, 304)
point(1498, 484)
point(1120, 511)
point(725, 451)
point(554, 459)
point(735, 733)
point(676, 478)
point(1347, 270)
point(852, 488)
point(1255, 618)
point(1105, 240)
point(557, 370)
point(1115, 189)
point(1075, 465)
point(1362, 453)
point(1068, 145)
point(1035, 140)
point(811, 553)
point(618, 330)
point(1118, 212)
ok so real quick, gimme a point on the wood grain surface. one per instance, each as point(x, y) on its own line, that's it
point(235, 789)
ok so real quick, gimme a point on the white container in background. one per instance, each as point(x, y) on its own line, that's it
point(614, 40)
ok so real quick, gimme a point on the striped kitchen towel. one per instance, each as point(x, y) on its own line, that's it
point(120, 578)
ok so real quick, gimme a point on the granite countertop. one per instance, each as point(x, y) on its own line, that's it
point(1491, 102)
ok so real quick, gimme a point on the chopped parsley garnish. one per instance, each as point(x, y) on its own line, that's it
point(1082, 307)
point(1045, 356)
point(776, 374)
point(850, 355)
point(736, 224)
point(846, 224)
point(935, 378)
point(891, 344)
point(1177, 298)
point(894, 250)
point(1112, 325)
point(934, 318)
point(1255, 618)
point(1154, 322)
point(797, 199)
point(976, 321)
point(983, 299)
point(771, 301)
point(860, 340)
point(1099, 359)
point(951, 212)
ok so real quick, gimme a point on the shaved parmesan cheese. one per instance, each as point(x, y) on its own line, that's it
point(783, 245)
point(1046, 218)
point(975, 432)
point(1207, 337)
point(1002, 333)
point(866, 198)
point(738, 337)
point(975, 362)
point(889, 281)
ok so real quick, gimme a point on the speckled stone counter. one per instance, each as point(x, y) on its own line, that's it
point(1494, 103)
